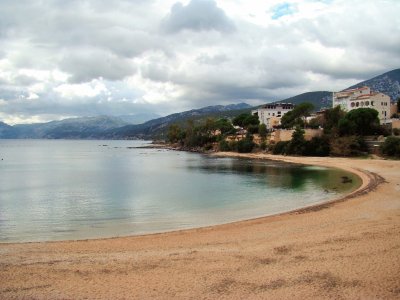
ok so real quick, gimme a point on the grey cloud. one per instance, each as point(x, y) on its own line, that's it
point(198, 15)
point(87, 64)
point(212, 59)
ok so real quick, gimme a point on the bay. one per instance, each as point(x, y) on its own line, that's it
point(67, 190)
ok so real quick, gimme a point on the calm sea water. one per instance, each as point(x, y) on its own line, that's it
point(58, 190)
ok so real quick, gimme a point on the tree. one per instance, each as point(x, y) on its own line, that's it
point(175, 133)
point(262, 131)
point(332, 117)
point(297, 144)
point(245, 120)
point(225, 126)
point(297, 116)
point(361, 121)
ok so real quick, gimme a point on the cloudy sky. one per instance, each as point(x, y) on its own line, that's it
point(71, 58)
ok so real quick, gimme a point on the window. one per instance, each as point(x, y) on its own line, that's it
point(362, 103)
point(357, 104)
point(372, 103)
point(366, 103)
point(352, 104)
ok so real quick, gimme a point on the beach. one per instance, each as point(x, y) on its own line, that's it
point(345, 249)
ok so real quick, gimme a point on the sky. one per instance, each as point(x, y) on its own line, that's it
point(61, 59)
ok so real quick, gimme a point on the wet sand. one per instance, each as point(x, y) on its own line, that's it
point(348, 249)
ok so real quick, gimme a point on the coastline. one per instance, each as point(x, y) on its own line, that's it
point(270, 256)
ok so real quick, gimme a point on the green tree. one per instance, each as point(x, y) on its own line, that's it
point(298, 143)
point(225, 126)
point(331, 119)
point(262, 131)
point(245, 120)
point(297, 116)
point(361, 121)
point(175, 133)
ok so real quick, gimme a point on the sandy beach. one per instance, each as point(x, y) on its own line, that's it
point(347, 249)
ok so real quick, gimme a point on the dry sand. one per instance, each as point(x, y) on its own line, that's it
point(349, 249)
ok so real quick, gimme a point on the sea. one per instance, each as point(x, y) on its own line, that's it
point(53, 190)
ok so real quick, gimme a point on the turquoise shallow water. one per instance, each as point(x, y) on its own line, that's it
point(58, 190)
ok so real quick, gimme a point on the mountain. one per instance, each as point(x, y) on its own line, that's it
point(138, 118)
point(6, 131)
point(320, 99)
point(387, 83)
point(106, 127)
point(74, 128)
point(158, 127)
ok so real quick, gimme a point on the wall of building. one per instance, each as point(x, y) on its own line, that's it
point(363, 98)
point(271, 115)
point(286, 135)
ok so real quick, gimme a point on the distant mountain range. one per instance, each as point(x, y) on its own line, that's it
point(108, 127)
point(153, 126)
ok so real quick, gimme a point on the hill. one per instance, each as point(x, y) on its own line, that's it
point(107, 127)
point(387, 83)
point(157, 128)
point(6, 131)
point(74, 128)
point(320, 99)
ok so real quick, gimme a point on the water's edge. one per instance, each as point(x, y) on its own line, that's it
point(369, 182)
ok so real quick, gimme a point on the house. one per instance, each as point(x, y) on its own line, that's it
point(271, 114)
point(363, 97)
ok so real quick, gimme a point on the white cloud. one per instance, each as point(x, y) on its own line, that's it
point(91, 89)
point(71, 58)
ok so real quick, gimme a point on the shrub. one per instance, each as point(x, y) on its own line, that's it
point(245, 146)
point(224, 146)
point(318, 146)
point(280, 147)
point(263, 145)
point(348, 146)
point(391, 146)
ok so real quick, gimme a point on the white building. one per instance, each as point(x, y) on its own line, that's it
point(363, 97)
point(271, 114)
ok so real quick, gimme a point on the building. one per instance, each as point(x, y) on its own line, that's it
point(271, 114)
point(363, 97)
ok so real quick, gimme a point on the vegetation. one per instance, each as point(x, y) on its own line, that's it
point(245, 145)
point(391, 147)
point(361, 121)
point(246, 120)
point(296, 117)
point(343, 133)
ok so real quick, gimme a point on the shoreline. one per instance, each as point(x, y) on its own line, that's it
point(368, 182)
point(296, 254)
